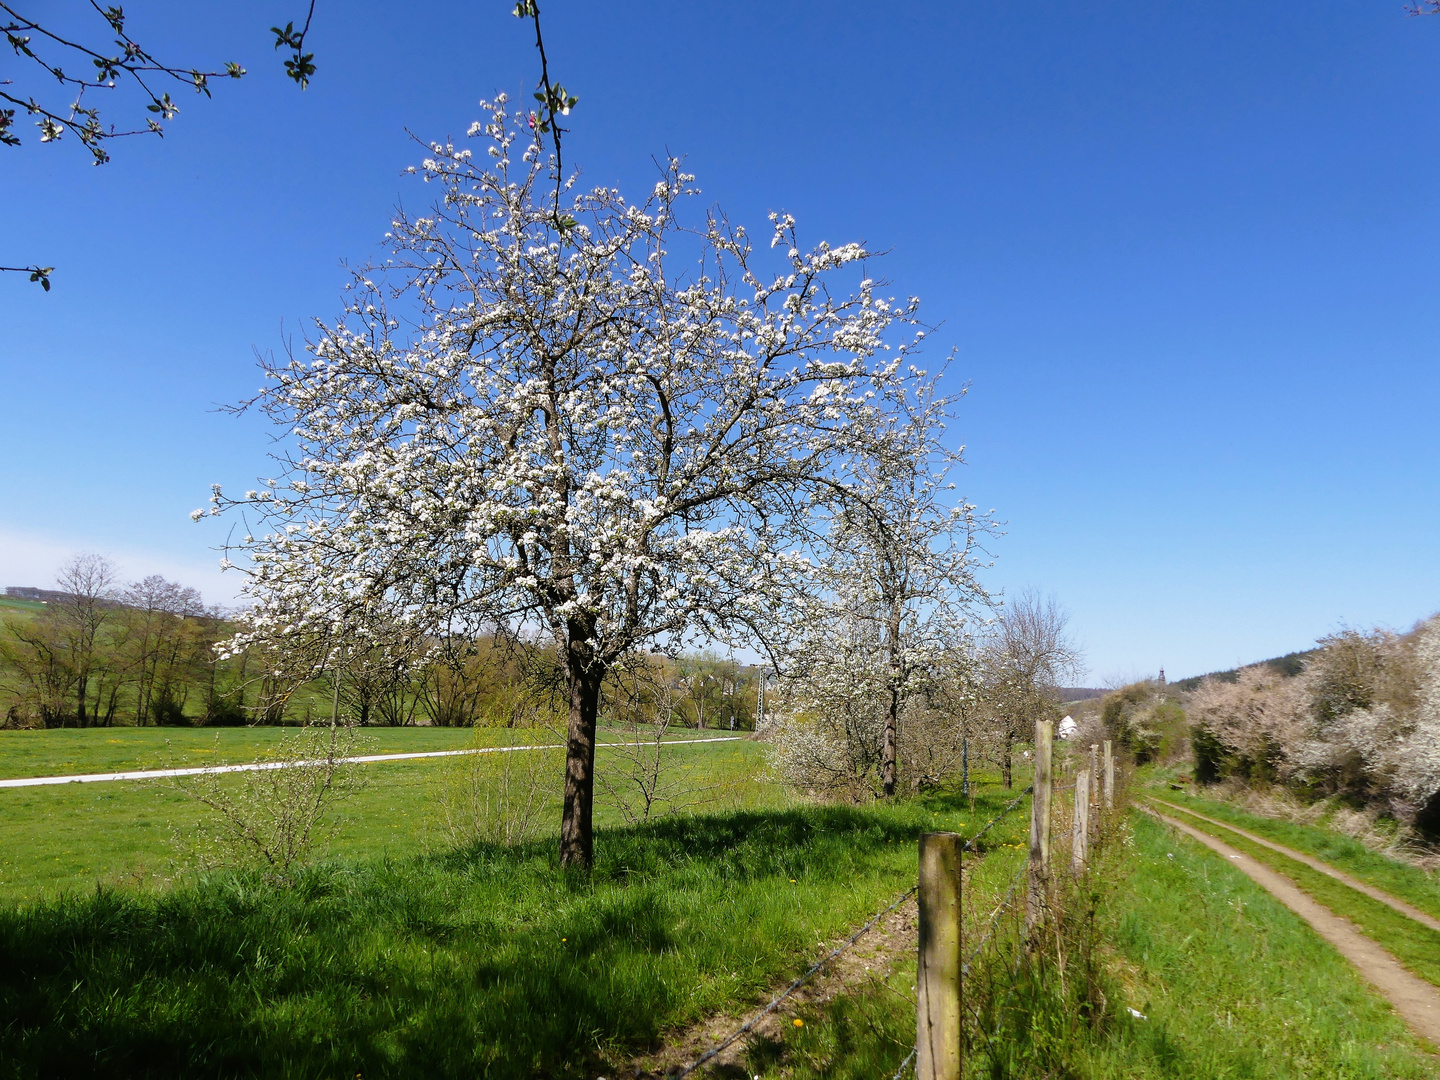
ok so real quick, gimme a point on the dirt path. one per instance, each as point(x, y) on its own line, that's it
point(1315, 864)
point(1417, 1002)
point(868, 963)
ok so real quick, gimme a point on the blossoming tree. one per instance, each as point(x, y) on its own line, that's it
point(580, 431)
point(892, 628)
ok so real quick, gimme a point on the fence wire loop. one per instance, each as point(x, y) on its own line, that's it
point(906, 1063)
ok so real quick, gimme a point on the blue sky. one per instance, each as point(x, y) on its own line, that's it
point(1186, 254)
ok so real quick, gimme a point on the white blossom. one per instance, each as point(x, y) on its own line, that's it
point(604, 424)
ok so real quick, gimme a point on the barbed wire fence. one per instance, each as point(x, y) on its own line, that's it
point(1004, 938)
point(751, 1024)
point(1011, 950)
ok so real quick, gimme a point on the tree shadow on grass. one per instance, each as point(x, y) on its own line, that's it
point(485, 961)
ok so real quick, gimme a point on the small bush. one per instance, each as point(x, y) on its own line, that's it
point(166, 711)
point(270, 818)
point(225, 710)
point(505, 797)
point(1146, 721)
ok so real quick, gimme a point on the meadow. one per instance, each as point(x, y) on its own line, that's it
point(389, 960)
point(1225, 983)
point(401, 953)
point(1409, 882)
point(71, 837)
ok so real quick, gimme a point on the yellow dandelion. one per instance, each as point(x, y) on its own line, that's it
point(798, 1022)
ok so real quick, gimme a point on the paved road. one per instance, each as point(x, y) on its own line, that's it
point(157, 774)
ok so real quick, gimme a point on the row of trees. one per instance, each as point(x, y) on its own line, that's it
point(846, 727)
point(497, 681)
point(101, 653)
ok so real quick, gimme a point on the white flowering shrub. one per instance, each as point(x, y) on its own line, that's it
point(1417, 753)
point(1254, 722)
point(1362, 720)
point(887, 634)
point(828, 736)
point(834, 722)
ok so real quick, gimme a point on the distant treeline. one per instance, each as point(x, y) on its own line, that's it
point(94, 653)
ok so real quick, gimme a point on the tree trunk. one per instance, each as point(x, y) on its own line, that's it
point(1006, 770)
point(897, 687)
point(887, 760)
point(82, 687)
point(577, 835)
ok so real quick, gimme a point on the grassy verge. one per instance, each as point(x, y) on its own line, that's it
point(867, 1031)
point(1408, 883)
point(485, 961)
point(1416, 947)
point(1230, 984)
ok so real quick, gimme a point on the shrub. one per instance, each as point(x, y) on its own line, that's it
point(1361, 721)
point(502, 797)
point(270, 818)
point(1146, 721)
point(1253, 720)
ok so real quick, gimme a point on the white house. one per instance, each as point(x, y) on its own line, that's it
point(1068, 727)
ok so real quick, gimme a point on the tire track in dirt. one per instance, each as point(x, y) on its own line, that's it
point(1417, 1002)
point(894, 937)
point(1408, 910)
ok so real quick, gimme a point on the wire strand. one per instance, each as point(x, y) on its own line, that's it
point(906, 1063)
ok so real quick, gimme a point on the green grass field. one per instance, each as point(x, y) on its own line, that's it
point(10, 606)
point(69, 837)
point(461, 962)
point(1409, 883)
point(1230, 985)
point(402, 954)
point(63, 751)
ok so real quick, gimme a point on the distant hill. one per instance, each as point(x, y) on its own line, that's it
point(1289, 665)
point(34, 596)
point(11, 603)
point(1080, 693)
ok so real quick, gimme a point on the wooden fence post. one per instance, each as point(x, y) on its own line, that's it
point(1109, 776)
point(937, 983)
point(1094, 772)
point(1080, 842)
point(1035, 897)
